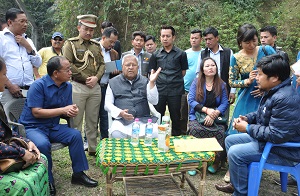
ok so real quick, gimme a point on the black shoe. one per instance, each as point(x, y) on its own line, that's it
point(52, 189)
point(291, 182)
point(227, 188)
point(92, 154)
point(82, 179)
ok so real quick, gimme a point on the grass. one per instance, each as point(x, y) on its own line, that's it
point(62, 174)
point(62, 171)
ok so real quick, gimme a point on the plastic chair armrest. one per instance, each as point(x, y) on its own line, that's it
point(21, 128)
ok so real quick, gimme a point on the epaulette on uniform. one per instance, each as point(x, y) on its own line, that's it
point(73, 39)
point(95, 42)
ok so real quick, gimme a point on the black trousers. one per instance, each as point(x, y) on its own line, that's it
point(173, 103)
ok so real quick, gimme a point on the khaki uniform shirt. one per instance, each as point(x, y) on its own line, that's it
point(85, 58)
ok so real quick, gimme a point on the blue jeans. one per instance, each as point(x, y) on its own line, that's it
point(103, 116)
point(242, 149)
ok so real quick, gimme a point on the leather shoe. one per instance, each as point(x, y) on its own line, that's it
point(82, 179)
point(92, 154)
point(52, 189)
point(227, 188)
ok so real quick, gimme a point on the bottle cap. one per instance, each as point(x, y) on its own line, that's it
point(137, 120)
point(166, 120)
point(149, 120)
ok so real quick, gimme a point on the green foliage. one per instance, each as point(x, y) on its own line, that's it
point(39, 11)
point(148, 16)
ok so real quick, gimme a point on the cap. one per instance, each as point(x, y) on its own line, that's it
point(88, 20)
point(57, 34)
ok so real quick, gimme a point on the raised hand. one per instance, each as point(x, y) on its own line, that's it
point(154, 74)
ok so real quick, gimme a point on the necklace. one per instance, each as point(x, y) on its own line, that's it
point(209, 85)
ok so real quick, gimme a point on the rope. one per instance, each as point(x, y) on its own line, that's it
point(85, 58)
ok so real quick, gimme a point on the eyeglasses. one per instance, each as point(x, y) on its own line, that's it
point(130, 65)
point(65, 70)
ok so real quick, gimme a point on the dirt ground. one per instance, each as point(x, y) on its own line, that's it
point(62, 175)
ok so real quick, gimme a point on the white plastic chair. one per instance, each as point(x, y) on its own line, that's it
point(13, 110)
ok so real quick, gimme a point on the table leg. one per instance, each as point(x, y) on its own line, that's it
point(202, 179)
point(182, 179)
point(109, 183)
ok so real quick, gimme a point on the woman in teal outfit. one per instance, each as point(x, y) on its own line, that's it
point(242, 73)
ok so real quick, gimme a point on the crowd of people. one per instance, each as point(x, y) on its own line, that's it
point(197, 85)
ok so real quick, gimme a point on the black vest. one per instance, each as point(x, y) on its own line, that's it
point(225, 56)
point(131, 96)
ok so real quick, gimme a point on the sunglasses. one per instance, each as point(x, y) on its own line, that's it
point(58, 39)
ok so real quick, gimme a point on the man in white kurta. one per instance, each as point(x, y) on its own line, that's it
point(122, 113)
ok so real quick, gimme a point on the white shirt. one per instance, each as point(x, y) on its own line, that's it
point(18, 61)
point(152, 96)
point(106, 54)
point(216, 56)
point(106, 57)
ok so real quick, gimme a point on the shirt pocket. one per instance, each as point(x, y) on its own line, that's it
point(80, 53)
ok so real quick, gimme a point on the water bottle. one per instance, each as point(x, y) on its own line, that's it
point(165, 120)
point(148, 134)
point(135, 132)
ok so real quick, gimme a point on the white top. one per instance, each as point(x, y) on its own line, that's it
point(106, 57)
point(18, 62)
point(152, 96)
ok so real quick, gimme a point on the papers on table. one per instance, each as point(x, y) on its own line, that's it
point(113, 65)
point(197, 145)
point(296, 67)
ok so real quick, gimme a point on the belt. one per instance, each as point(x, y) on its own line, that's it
point(22, 87)
point(103, 85)
point(81, 82)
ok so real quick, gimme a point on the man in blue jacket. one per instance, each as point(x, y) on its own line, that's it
point(276, 121)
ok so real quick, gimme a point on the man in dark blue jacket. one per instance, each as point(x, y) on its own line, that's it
point(276, 121)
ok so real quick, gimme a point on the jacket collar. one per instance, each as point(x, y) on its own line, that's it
point(282, 84)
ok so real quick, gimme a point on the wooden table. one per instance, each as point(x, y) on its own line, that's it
point(119, 160)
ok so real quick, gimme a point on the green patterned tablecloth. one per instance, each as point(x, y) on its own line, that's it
point(112, 152)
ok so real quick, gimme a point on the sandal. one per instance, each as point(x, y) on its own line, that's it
point(192, 173)
point(211, 169)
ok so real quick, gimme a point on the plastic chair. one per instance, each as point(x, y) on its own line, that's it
point(13, 110)
point(255, 169)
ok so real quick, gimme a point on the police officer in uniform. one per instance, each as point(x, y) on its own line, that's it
point(87, 67)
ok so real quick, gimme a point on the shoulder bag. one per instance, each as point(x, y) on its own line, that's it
point(12, 165)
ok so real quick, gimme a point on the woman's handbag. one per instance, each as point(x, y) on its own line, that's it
point(220, 120)
point(13, 165)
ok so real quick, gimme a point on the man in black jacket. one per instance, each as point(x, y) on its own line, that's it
point(276, 121)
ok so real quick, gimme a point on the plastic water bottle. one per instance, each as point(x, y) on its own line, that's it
point(148, 134)
point(165, 120)
point(135, 132)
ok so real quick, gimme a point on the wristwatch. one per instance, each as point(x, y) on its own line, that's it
point(32, 52)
